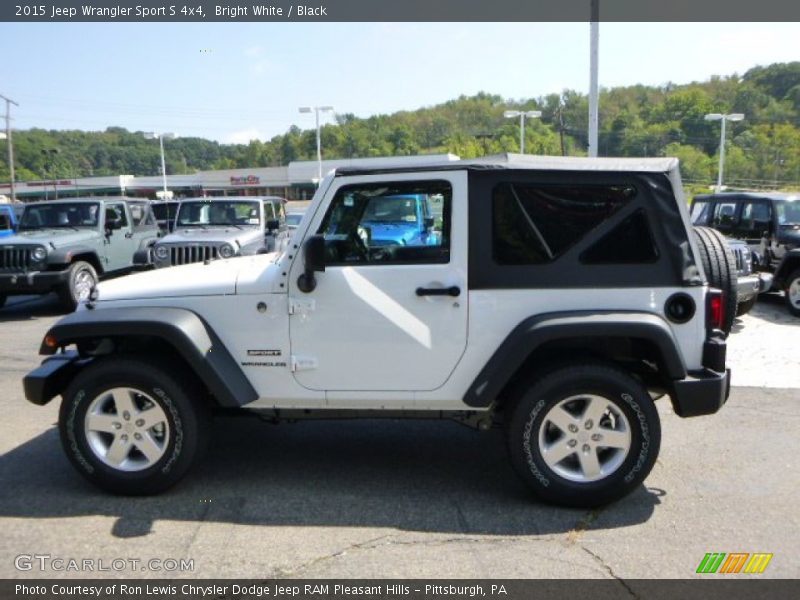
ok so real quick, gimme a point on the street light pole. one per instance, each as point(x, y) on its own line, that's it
point(161, 137)
point(723, 119)
point(9, 102)
point(317, 109)
point(531, 114)
point(594, 93)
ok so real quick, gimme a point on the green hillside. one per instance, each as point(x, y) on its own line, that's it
point(763, 150)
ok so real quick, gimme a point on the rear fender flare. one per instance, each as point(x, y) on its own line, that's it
point(535, 331)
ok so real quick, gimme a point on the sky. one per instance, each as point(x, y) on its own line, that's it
point(233, 82)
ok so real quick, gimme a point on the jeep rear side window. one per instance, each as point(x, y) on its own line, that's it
point(394, 223)
point(630, 242)
point(537, 223)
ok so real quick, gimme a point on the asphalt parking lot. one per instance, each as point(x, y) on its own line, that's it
point(413, 499)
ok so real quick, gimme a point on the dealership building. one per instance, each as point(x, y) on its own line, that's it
point(297, 181)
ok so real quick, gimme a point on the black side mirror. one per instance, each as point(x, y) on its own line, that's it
point(273, 224)
point(114, 224)
point(313, 260)
point(428, 222)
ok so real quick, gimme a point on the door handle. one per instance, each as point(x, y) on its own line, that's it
point(453, 290)
point(129, 235)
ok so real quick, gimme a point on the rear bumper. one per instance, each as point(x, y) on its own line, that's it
point(705, 391)
point(701, 393)
point(34, 282)
point(50, 378)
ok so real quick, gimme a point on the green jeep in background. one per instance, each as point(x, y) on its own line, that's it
point(66, 245)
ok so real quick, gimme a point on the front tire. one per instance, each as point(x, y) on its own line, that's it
point(81, 278)
point(584, 436)
point(792, 293)
point(129, 427)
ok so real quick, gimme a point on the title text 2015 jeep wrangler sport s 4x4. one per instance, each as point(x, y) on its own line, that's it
point(560, 298)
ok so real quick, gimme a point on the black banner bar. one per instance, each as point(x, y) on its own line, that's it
point(147, 11)
point(709, 588)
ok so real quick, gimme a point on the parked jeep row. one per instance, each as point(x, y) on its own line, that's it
point(769, 225)
point(66, 246)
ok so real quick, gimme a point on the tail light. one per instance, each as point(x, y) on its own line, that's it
point(715, 311)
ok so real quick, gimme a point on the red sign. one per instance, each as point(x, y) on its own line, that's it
point(248, 180)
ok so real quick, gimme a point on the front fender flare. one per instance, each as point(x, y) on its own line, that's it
point(535, 331)
point(191, 337)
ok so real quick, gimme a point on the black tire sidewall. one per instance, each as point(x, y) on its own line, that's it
point(68, 292)
point(792, 309)
point(186, 433)
point(620, 389)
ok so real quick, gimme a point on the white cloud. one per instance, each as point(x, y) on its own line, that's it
point(243, 136)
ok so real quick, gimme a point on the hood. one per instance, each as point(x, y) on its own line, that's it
point(212, 235)
point(53, 237)
point(399, 232)
point(198, 279)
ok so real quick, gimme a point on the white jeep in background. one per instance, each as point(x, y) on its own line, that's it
point(556, 297)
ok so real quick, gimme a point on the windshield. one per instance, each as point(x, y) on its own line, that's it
point(201, 214)
point(38, 216)
point(293, 219)
point(788, 212)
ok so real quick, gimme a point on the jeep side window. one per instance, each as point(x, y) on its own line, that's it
point(405, 222)
point(724, 216)
point(536, 223)
point(269, 211)
point(140, 215)
point(116, 211)
point(755, 219)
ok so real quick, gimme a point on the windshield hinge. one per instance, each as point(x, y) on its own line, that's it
point(299, 306)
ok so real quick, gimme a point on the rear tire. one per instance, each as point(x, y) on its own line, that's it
point(584, 436)
point(792, 293)
point(131, 426)
point(720, 267)
point(80, 280)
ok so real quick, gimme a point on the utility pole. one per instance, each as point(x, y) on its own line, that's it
point(594, 35)
point(561, 128)
point(9, 102)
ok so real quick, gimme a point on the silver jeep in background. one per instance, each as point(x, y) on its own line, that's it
point(211, 228)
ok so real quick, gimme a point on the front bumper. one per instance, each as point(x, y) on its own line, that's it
point(32, 282)
point(50, 378)
point(747, 288)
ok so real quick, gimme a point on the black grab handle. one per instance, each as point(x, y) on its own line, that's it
point(448, 291)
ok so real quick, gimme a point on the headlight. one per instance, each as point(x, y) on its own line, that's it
point(226, 251)
point(39, 254)
point(162, 252)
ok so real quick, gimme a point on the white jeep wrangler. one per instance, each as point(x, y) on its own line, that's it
point(555, 297)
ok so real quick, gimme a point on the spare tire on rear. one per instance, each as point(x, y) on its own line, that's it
point(719, 265)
